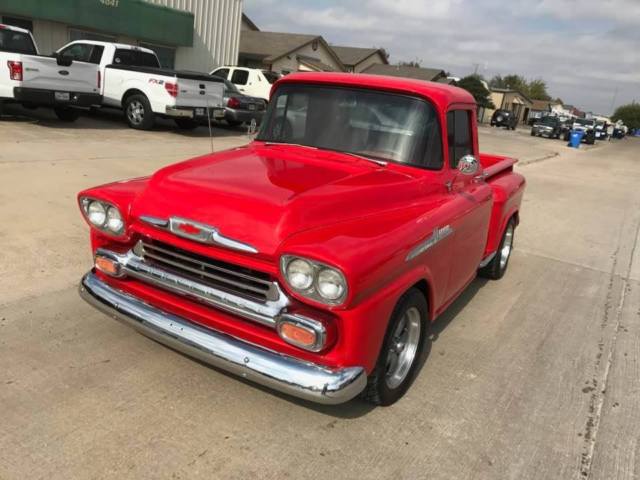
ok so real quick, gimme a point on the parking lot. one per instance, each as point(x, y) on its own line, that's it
point(534, 376)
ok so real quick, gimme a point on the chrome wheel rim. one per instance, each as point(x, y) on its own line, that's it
point(135, 112)
point(403, 349)
point(505, 252)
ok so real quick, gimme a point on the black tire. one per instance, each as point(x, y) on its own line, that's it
point(66, 114)
point(381, 389)
point(496, 268)
point(138, 112)
point(533, 134)
point(186, 123)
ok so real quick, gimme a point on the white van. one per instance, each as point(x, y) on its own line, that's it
point(250, 81)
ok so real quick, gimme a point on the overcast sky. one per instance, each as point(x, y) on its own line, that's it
point(583, 49)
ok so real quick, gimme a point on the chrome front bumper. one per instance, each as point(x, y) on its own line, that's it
point(280, 372)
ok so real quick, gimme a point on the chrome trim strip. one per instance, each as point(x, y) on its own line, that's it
point(264, 313)
point(280, 372)
point(204, 234)
point(155, 221)
point(487, 260)
point(437, 235)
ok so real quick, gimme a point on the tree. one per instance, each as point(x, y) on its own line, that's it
point(475, 87)
point(384, 53)
point(537, 90)
point(629, 114)
point(412, 63)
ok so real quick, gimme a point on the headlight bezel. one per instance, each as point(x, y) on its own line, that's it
point(313, 291)
point(85, 204)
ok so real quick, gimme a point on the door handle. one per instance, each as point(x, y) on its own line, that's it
point(480, 178)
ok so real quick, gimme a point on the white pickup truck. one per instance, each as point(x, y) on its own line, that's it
point(132, 80)
point(35, 80)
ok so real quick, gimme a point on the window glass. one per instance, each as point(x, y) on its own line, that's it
point(166, 55)
point(459, 135)
point(270, 76)
point(377, 125)
point(240, 77)
point(16, 42)
point(75, 34)
point(135, 58)
point(222, 73)
point(80, 52)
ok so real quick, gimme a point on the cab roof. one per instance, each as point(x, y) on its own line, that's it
point(440, 94)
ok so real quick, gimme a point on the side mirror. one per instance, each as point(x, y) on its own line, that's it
point(468, 165)
point(63, 61)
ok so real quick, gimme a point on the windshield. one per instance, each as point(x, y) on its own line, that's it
point(16, 42)
point(584, 122)
point(547, 121)
point(373, 124)
point(270, 76)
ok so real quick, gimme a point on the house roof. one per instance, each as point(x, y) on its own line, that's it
point(419, 73)
point(509, 90)
point(250, 23)
point(354, 55)
point(270, 46)
point(446, 81)
point(315, 63)
point(542, 105)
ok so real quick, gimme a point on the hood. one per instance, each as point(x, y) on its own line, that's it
point(260, 195)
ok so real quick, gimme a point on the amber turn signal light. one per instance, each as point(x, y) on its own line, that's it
point(302, 332)
point(108, 266)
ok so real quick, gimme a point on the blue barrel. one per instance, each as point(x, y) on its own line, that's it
point(575, 138)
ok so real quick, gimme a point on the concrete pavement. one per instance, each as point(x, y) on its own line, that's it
point(531, 377)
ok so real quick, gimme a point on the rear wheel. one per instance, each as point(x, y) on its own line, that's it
point(66, 114)
point(533, 134)
point(496, 269)
point(186, 123)
point(138, 112)
point(402, 348)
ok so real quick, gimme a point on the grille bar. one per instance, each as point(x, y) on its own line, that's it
point(218, 274)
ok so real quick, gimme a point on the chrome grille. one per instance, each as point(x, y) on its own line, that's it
point(245, 282)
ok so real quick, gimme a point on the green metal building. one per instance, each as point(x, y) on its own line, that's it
point(186, 34)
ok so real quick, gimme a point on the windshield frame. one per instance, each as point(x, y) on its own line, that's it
point(421, 148)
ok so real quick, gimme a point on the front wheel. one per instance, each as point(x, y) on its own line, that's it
point(496, 269)
point(138, 112)
point(66, 114)
point(402, 348)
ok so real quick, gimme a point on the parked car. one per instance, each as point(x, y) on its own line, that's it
point(240, 108)
point(548, 126)
point(253, 82)
point(34, 80)
point(588, 127)
point(504, 118)
point(314, 259)
point(132, 79)
point(601, 130)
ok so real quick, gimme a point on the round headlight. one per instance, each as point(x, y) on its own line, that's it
point(96, 213)
point(331, 284)
point(299, 274)
point(114, 220)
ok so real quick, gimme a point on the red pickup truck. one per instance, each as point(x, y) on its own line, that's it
point(314, 259)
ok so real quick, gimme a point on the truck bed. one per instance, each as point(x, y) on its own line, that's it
point(167, 72)
point(507, 187)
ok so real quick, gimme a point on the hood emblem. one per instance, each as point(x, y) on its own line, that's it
point(198, 232)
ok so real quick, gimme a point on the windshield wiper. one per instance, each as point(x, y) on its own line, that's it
point(377, 161)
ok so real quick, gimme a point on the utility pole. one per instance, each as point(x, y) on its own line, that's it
point(613, 101)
